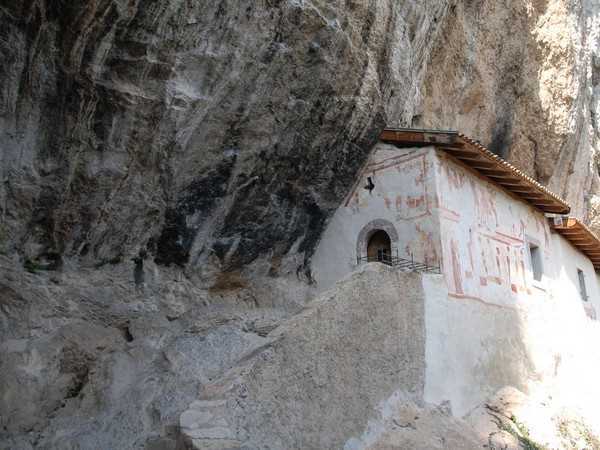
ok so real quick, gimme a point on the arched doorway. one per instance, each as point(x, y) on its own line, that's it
point(379, 247)
point(369, 241)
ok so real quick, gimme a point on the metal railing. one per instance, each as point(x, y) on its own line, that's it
point(401, 263)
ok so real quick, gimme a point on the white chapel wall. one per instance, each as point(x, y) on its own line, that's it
point(565, 286)
point(473, 349)
point(491, 324)
point(485, 232)
point(403, 196)
point(488, 323)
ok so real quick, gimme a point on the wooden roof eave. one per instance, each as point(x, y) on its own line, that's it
point(520, 184)
point(581, 237)
point(419, 137)
point(477, 157)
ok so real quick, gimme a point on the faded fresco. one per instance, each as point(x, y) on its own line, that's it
point(485, 237)
point(445, 214)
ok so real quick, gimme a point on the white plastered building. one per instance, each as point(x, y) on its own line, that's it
point(504, 245)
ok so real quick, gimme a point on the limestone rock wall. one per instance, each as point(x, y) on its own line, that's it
point(213, 135)
point(522, 77)
point(89, 361)
point(200, 133)
point(167, 167)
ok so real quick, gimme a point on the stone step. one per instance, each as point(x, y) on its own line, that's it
point(210, 433)
point(207, 404)
point(205, 424)
point(216, 444)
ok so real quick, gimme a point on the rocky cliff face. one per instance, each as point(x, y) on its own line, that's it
point(167, 167)
point(217, 133)
point(211, 134)
point(522, 77)
point(198, 132)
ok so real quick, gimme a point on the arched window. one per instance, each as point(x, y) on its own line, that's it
point(379, 247)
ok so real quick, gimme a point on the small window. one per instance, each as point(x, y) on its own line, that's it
point(535, 257)
point(582, 289)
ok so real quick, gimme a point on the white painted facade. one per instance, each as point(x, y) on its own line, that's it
point(403, 196)
point(447, 215)
point(442, 213)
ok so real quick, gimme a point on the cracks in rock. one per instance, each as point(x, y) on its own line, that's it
point(409, 425)
point(200, 197)
point(79, 381)
point(511, 425)
point(260, 329)
point(501, 140)
point(594, 105)
point(536, 162)
point(76, 363)
point(104, 209)
point(125, 332)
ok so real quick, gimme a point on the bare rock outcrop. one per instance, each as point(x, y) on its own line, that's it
point(90, 361)
point(167, 167)
point(523, 77)
point(513, 420)
point(508, 420)
point(204, 133)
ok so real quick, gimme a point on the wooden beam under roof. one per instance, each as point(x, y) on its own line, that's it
point(528, 193)
point(476, 160)
point(554, 211)
point(478, 165)
point(505, 181)
point(464, 154)
point(500, 173)
point(513, 184)
point(418, 137)
point(480, 159)
point(570, 235)
point(581, 237)
point(537, 200)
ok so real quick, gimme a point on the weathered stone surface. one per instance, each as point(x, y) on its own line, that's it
point(511, 419)
point(198, 132)
point(522, 77)
point(326, 370)
point(508, 420)
point(408, 425)
point(166, 168)
point(94, 364)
